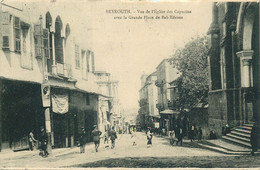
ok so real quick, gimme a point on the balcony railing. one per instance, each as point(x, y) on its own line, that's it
point(64, 70)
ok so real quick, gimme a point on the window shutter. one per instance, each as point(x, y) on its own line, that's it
point(46, 43)
point(37, 40)
point(17, 34)
point(5, 30)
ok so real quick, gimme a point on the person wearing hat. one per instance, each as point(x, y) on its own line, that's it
point(96, 137)
point(82, 140)
point(44, 142)
point(113, 137)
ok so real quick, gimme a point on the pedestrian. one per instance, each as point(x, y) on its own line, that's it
point(96, 137)
point(192, 133)
point(32, 141)
point(180, 136)
point(82, 140)
point(149, 137)
point(113, 137)
point(133, 137)
point(212, 135)
point(253, 139)
point(44, 143)
point(199, 134)
point(106, 137)
point(172, 137)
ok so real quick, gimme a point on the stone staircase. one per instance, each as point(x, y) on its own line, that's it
point(239, 136)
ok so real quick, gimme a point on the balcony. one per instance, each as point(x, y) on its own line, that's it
point(64, 70)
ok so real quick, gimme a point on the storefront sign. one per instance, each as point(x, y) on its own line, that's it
point(46, 102)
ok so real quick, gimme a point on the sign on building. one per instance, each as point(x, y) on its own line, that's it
point(46, 102)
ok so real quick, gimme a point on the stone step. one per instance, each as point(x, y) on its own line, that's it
point(221, 150)
point(236, 141)
point(241, 134)
point(245, 128)
point(238, 137)
point(243, 131)
point(248, 125)
point(227, 145)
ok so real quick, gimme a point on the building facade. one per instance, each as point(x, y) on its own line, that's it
point(234, 61)
point(111, 105)
point(46, 76)
point(166, 73)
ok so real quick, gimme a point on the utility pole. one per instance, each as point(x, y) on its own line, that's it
point(46, 108)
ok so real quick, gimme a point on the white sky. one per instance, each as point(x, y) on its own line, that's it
point(127, 48)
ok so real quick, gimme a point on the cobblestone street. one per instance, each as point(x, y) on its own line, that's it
point(161, 154)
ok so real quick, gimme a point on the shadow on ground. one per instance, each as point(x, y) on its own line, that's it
point(178, 162)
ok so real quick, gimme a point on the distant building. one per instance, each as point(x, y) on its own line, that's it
point(165, 75)
point(111, 108)
point(234, 64)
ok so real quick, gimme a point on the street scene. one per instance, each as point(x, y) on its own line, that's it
point(129, 84)
point(160, 154)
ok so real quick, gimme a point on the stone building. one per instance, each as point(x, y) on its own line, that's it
point(110, 107)
point(234, 61)
point(149, 98)
point(46, 75)
point(165, 75)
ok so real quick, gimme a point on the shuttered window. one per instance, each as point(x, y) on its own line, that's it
point(5, 30)
point(77, 56)
point(46, 43)
point(41, 39)
point(17, 35)
point(37, 40)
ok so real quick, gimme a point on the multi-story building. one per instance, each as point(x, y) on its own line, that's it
point(46, 76)
point(148, 100)
point(166, 73)
point(152, 91)
point(111, 106)
point(143, 111)
point(234, 60)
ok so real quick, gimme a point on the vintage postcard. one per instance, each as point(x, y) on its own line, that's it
point(129, 84)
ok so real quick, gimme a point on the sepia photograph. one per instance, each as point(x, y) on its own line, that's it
point(125, 84)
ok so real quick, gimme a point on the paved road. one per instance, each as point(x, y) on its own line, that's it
point(161, 154)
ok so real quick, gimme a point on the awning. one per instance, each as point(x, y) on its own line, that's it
point(156, 116)
point(168, 111)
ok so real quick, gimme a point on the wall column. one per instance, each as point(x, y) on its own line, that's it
point(245, 65)
point(54, 66)
point(64, 57)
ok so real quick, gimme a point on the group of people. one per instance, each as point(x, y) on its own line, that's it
point(96, 138)
point(43, 142)
point(176, 135)
point(195, 133)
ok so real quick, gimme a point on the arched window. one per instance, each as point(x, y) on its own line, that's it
point(58, 41)
point(48, 25)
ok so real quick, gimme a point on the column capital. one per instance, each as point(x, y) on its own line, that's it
point(52, 30)
point(246, 54)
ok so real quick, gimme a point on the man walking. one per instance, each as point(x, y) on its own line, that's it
point(96, 137)
point(180, 136)
point(113, 137)
point(82, 140)
point(44, 143)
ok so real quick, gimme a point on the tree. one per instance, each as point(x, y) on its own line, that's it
point(192, 63)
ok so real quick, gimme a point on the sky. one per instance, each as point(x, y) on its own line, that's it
point(128, 48)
